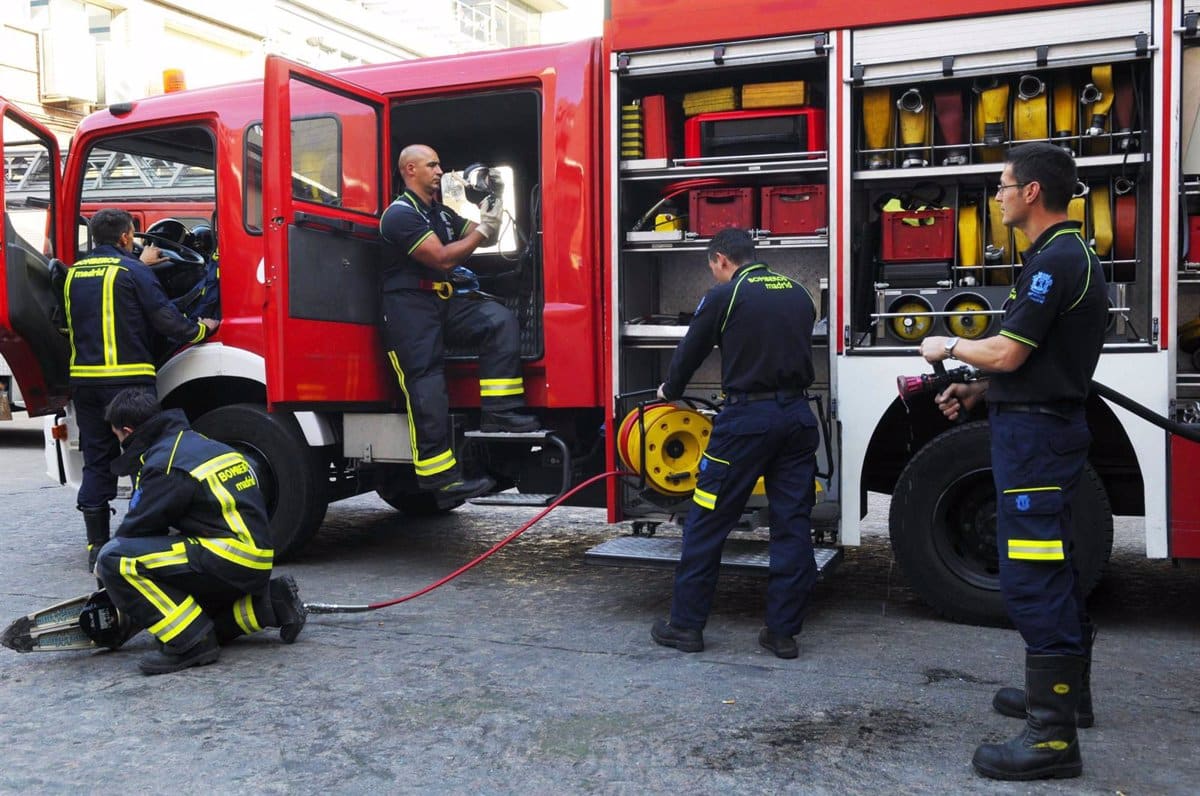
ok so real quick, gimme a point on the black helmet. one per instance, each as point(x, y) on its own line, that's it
point(202, 240)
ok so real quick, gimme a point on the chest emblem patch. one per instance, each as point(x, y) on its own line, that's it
point(1023, 503)
point(1039, 286)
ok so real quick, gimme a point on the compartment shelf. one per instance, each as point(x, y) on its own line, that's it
point(700, 244)
point(924, 172)
point(679, 168)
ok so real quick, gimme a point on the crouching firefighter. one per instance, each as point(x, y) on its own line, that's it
point(212, 581)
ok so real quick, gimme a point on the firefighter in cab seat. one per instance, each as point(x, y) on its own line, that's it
point(421, 311)
point(1041, 362)
point(212, 581)
point(117, 315)
point(763, 323)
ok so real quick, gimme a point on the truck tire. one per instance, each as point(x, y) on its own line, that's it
point(415, 504)
point(291, 474)
point(943, 527)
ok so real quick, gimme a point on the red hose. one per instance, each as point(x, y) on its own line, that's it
point(326, 608)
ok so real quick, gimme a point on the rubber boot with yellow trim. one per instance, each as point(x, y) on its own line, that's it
point(1048, 747)
point(96, 523)
point(1010, 701)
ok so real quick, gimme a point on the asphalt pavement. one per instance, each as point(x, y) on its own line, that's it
point(534, 673)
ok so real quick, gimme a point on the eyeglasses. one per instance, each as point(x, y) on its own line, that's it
point(1001, 187)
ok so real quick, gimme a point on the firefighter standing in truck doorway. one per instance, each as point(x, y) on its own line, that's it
point(1041, 363)
point(763, 323)
point(210, 583)
point(115, 307)
point(420, 311)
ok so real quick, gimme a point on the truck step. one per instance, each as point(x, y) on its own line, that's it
point(739, 556)
point(514, 499)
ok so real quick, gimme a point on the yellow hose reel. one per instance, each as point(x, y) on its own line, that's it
point(674, 438)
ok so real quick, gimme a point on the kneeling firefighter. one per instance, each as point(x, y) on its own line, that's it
point(210, 583)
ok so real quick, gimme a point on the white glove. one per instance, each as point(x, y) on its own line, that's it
point(491, 216)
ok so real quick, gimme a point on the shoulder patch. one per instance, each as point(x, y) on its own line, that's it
point(1039, 286)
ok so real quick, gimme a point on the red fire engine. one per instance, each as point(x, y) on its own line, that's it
point(861, 144)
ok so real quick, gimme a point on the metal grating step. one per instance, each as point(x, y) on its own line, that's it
point(510, 436)
point(739, 555)
point(514, 499)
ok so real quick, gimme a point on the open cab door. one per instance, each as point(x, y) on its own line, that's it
point(325, 184)
point(31, 319)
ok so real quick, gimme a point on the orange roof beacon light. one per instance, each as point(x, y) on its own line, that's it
point(173, 80)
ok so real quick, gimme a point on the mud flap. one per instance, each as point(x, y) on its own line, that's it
point(85, 622)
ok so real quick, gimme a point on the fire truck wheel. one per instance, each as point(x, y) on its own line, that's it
point(285, 465)
point(943, 527)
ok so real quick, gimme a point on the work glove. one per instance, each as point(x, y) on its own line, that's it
point(491, 216)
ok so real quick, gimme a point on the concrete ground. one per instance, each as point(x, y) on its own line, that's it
point(535, 673)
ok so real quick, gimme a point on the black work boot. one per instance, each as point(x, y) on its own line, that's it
point(508, 421)
point(289, 610)
point(166, 661)
point(1047, 747)
point(684, 639)
point(462, 490)
point(95, 521)
point(1011, 701)
point(782, 646)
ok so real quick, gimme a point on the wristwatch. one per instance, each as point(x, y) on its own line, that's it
point(949, 347)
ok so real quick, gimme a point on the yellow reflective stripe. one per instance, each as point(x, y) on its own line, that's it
point(438, 464)
point(200, 333)
point(102, 371)
point(243, 614)
point(420, 241)
point(1018, 338)
point(213, 465)
point(108, 317)
point(1019, 490)
point(177, 555)
point(70, 323)
point(707, 455)
point(237, 552)
point(148, 589)
point(174, 448)
point(233, 518)
point(1035, 549)
point(495, 388)
point(705, 500)
point(174, 624)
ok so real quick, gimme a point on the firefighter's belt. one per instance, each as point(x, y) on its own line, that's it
point(444, 290)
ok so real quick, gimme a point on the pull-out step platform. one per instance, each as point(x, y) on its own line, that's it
point(746, 556)
point(542, 435)
point(513, 499)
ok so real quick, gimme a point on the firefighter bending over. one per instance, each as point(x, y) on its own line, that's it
point(420, 311)
point(211, 582)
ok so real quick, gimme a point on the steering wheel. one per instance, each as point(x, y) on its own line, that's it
point(176, 253)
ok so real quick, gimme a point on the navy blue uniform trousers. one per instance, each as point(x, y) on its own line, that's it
point(1037, 461)
point(777, 439)
point(97, 443)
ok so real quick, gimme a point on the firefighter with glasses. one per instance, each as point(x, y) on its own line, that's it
point(1041, 365)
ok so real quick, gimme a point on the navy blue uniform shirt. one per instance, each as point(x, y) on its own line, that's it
point(406, 224)
point(763, 322)
point(1059, 308)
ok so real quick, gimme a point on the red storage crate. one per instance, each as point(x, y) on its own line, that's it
point(794, 209)
point(711, 210)
point(754, 132)
point(1193, 255)
point(930, 239)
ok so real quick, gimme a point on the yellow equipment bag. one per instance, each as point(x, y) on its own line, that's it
point(775, 95)
point(710, 100)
